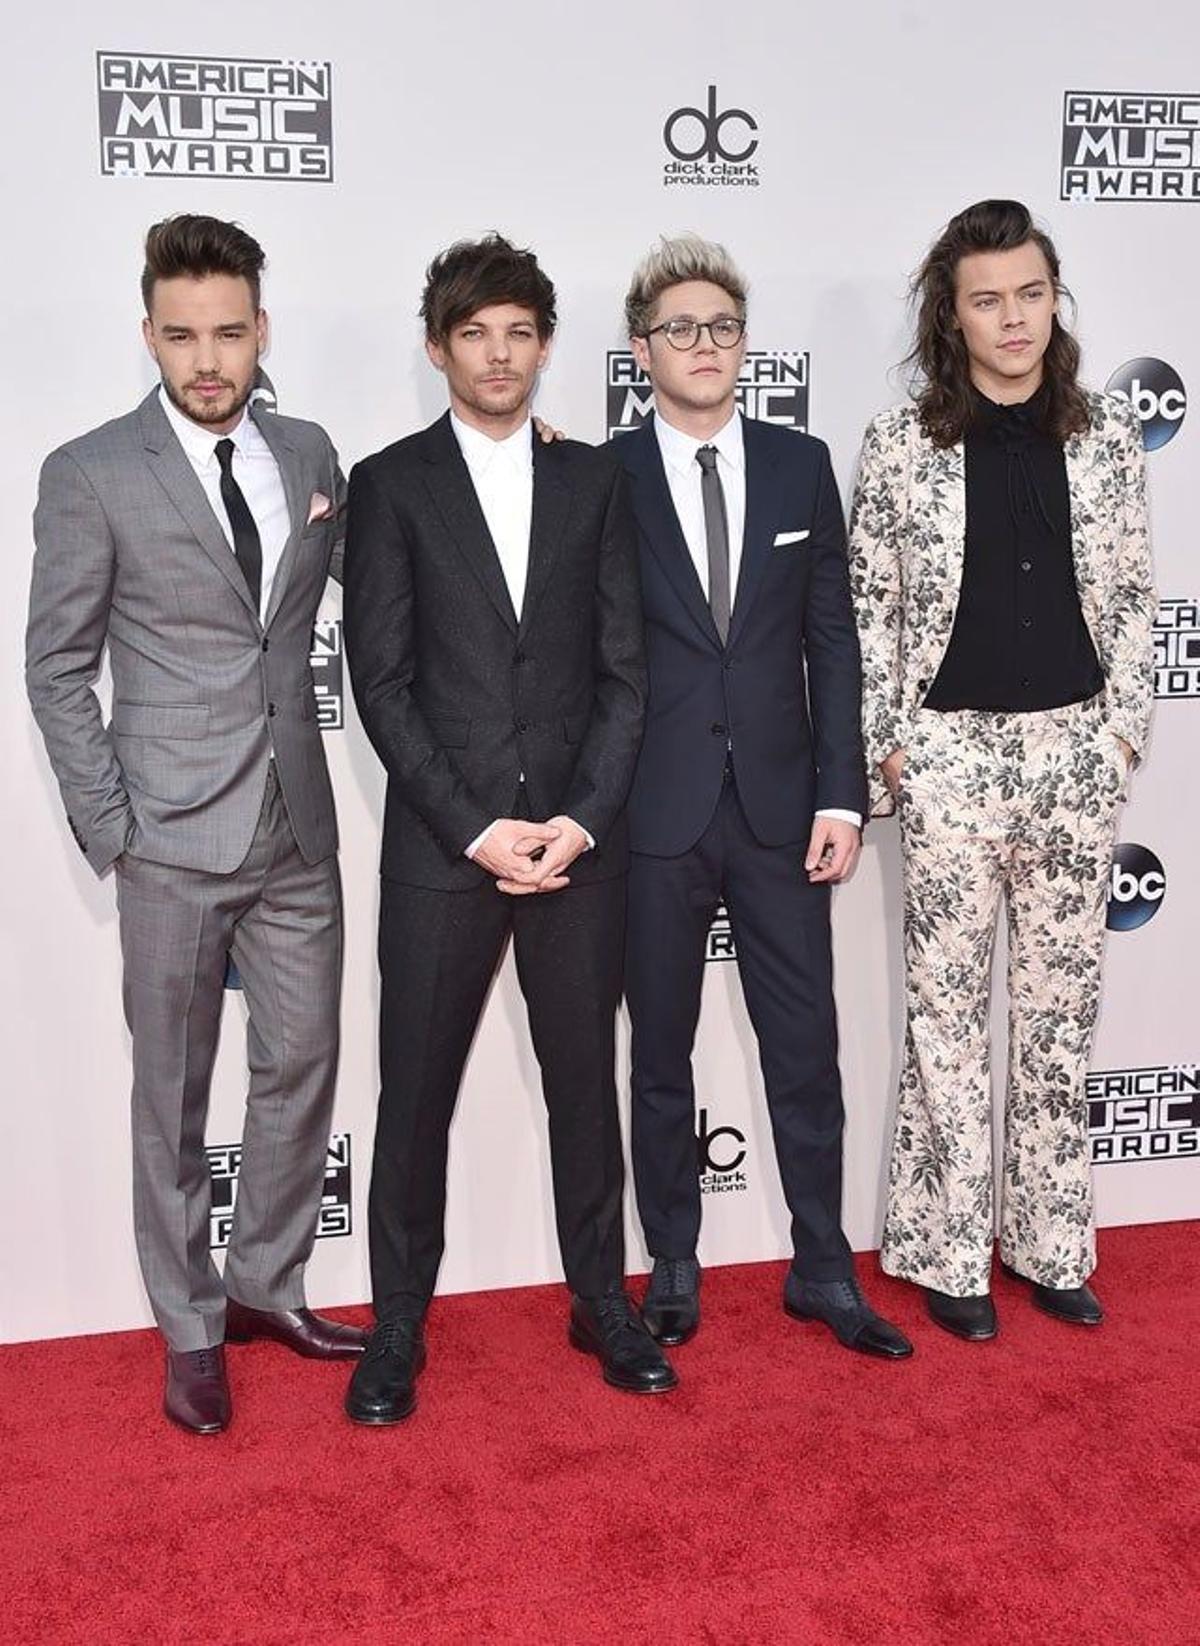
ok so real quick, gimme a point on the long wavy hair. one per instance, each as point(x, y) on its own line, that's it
point(939, 354)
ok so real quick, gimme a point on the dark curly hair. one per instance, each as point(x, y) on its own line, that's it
point(939, 354)
point(472, 274)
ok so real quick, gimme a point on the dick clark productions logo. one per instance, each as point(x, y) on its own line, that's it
point(711, 147)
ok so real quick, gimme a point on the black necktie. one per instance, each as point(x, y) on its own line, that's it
point(247, 546)
point(716, 532)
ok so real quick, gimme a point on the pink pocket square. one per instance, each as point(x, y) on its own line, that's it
point(319, 508)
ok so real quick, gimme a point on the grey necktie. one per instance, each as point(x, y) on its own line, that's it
point(716, 532)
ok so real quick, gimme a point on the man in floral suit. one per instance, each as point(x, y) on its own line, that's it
point(1001, 570)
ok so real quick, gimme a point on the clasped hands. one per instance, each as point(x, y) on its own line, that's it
point(531, 857)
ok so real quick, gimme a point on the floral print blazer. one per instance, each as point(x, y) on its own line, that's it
point(907, 537)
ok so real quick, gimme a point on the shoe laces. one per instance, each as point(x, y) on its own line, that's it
point(392, 1337)
point(614, 1314)
point(674, 1276)
point(840, 1294)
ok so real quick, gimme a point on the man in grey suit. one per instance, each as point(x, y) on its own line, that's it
point(193, 538)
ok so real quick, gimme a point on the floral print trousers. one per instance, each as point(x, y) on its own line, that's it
point(1024, 807)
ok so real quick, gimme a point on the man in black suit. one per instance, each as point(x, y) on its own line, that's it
point(750, 786)
point(493, 630)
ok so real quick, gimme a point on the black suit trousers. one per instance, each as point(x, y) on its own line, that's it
point(780, 924)
point(438, 953)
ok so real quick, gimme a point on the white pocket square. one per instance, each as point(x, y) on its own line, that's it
point(319, 508)
point(782, 539)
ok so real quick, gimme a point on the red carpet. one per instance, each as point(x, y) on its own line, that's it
point(1044, 1488)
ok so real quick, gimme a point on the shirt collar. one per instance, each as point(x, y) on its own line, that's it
point(480, 451)
point(679, 449)
point(200, 443)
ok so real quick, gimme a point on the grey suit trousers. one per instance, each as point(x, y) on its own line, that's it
point(280, 917)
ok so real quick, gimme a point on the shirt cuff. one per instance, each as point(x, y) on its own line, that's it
point(480, 838)
point(583, 832)
point(842, 816)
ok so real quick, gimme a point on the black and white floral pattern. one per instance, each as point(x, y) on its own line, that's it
point(1019, 808)
point(1014, 807)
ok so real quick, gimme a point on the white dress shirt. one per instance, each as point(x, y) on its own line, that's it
point(502, 474)
point(683, 478)
point(257, 474)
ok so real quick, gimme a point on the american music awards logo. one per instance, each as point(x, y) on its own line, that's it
point(772, 387)
point(1120, 145)
point(236, 118)
point(1143, 1114)
point(1177, 649)
point(335, 1217)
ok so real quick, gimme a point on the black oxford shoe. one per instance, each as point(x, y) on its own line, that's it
point(971, 1318)
point(196, 1396)
point(840, 1304)
point(297, 1329)
point(1077, 1305)
point(671, 1306)
point(383, 1387)
point(610, 1328)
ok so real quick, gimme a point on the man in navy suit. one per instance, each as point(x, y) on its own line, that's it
point(750, 787)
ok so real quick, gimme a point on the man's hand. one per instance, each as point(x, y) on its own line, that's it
point(508, 847)
point(546, 432)
point(832, 850)
point(549, 873)
point(892, 768)
point(1126, 749)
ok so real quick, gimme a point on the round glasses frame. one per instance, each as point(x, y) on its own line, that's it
point(726, 331)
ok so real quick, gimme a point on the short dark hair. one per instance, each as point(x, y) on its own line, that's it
point(939, 354)
point(471, 274)
point(196, 246)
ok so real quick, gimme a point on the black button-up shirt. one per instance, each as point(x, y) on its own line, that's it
point(1019, 640)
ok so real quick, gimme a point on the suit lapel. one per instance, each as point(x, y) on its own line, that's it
point(655, 511)
point(179, 480)
point(763, 503)
point(551, 508)
point(288, 460)
point(457, 503)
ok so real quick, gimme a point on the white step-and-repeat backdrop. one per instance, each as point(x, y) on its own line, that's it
point(825, 146)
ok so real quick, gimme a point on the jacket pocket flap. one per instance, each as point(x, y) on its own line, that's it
point(450, 730)
point(160, 719)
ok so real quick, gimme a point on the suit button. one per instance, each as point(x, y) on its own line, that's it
point(518, 658)
point(522, 725)
point(1027, 622)
point(1027, 565)
point(266, 645)
point(270, 711)
point(922, 685)
point(718, 730)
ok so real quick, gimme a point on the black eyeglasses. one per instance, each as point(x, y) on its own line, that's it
point(684, 333)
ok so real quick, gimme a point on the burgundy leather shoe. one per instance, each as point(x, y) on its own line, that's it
point(298, 1329)
point(197, 1394)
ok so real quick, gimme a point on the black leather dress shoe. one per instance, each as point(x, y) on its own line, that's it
point(971, 1318)
point(671, 1306)
point(610, 1328)
point(1077, 1305)
point(383, 1386)
point(844, 1309)
point(197, 1393)
point(298, 1329)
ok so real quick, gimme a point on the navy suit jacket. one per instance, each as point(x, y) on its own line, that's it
point(785, 692)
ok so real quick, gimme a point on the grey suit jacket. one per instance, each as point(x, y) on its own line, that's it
point(130, 554)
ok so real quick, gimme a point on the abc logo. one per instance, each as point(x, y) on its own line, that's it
point(1136, 888)
point(709, 125)
point(726, 1157)
point(1156, 393)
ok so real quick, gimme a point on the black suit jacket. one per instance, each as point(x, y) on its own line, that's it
point(785, 690)
point(458, 698)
